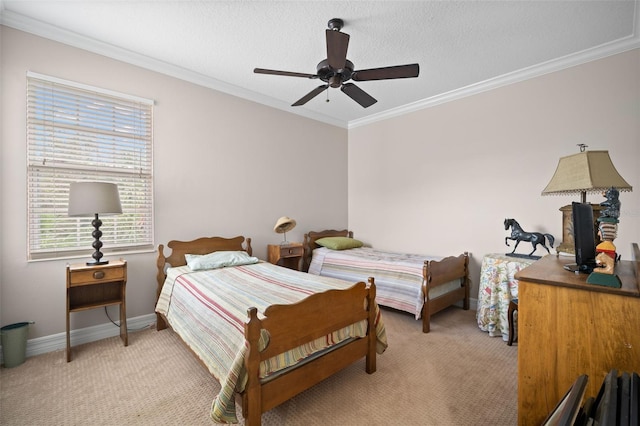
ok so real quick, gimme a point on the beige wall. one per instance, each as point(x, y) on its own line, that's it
point(442, 180)
point(222, 166)
point(437, 181)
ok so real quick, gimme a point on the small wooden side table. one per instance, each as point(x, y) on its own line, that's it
point(288, 255)
point(90, 287)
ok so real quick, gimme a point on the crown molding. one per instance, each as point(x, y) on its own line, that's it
point(51, 32)
point(604, 50)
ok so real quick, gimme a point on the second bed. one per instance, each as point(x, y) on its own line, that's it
point(417, 284)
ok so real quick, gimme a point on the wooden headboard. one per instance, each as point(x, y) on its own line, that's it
point(309, 243)
point(202, 245)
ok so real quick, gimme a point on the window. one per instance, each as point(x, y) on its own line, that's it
point(81, 133)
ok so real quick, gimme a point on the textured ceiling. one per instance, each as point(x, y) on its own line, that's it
point(461, 46)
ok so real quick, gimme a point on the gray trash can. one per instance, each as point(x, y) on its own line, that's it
point(14, 343)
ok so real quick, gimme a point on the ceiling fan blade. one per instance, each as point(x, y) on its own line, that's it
point(312, 94)
point(358, 95)
point(386, 73)
point(284, 73)
point(337, 45)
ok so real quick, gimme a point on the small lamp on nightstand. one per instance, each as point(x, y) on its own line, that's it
point(91, 199)
point(283, 225)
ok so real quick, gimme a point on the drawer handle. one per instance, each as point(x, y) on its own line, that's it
point(98, 275)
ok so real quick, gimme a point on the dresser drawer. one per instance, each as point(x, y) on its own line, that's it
point(83, 277)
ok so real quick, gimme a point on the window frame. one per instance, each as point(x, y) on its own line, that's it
point(77, 132)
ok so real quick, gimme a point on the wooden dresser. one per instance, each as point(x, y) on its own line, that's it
point(567, 327)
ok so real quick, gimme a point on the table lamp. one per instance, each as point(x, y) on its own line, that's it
point(587, 171)
point(283, 225)
point(92, 199)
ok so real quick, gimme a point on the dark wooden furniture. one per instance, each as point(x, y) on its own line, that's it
point(289, 326)
point(435, 273)
point(568, 328)
point(289, 255)
point(90, 287)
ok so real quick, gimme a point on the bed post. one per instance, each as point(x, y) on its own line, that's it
point(372, 336)
point(306, 253)
point(249, 250)
point(252, 396)
point(465, 303)
point(160, 277)
point(426, 312)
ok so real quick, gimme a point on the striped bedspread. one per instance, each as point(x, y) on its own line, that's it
point(208, 310)
point(398, 276)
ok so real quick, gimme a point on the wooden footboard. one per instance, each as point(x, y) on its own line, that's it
point(290, 326)
point(437, 273)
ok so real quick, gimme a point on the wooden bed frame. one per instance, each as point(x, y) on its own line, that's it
point(289, 326)
point(434, 273)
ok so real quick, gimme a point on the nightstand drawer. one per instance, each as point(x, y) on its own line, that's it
point(95, 276)
point(291, 251)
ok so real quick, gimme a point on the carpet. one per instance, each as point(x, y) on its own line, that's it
point(454, 375)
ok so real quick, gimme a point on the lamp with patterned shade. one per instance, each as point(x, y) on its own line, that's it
point(582, 173)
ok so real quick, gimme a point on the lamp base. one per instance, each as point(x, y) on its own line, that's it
point(96, 262)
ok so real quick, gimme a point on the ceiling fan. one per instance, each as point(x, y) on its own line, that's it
point(336, 70)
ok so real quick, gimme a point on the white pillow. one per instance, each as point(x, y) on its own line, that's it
point(219, 259)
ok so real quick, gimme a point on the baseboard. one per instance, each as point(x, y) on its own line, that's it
point(54, 342)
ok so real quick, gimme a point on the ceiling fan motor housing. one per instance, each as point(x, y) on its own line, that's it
point(335, 24)
point(328, 74)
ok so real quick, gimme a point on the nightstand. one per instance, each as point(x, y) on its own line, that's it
point(90, 287)
point(288, 255)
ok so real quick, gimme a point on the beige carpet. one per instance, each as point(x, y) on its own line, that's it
point(455, 375)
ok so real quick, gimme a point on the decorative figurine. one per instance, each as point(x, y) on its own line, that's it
point(608, 223)
point(603, 274)
point(606, 251)
point(535, 238)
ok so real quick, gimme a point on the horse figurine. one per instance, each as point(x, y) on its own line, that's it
point(517, 235)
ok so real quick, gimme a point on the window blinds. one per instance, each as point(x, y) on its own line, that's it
point(79, 133)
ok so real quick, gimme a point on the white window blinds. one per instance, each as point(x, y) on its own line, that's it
point(79, 133)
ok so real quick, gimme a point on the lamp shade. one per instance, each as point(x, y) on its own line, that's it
point(284, 224)
point(89, 198)
point(587, 171)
